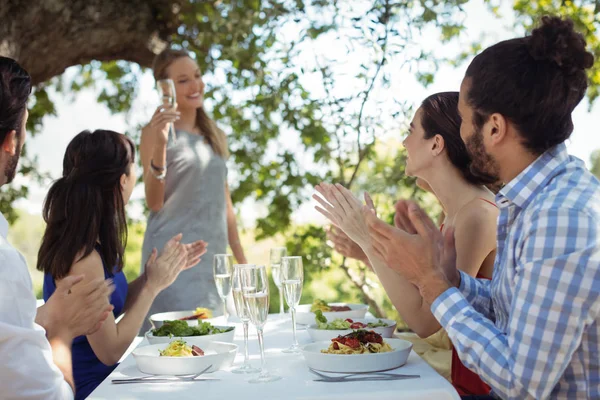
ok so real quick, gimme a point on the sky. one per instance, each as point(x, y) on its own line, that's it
point(85, 113)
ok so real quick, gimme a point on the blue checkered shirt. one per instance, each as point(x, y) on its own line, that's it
point(533, 331)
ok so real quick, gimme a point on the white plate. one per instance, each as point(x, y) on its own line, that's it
point(219, 355)
point(306, 317)
point(158, 319)
point(199, 341)
point(356, 363)
point(319, 335)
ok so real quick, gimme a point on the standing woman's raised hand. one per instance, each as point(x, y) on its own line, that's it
point(161, 121)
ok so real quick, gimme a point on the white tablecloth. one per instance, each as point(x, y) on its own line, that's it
point(297, 382)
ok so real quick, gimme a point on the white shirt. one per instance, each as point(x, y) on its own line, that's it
point(26, 367)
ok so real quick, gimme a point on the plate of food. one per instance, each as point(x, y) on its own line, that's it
point(191, 316)
point(305, 313)
point(198, 335)
point(325, 329)
point(182, 358)
point(360, 351)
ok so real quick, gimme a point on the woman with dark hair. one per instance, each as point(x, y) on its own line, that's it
point(86, 234)
point(186, 183)
point(437, 156)
point(533, 331)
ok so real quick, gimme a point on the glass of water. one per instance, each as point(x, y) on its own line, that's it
point(242, 312)
point(292, 278)
point(275, 260)
point(255, 288)
point(223, 269)
point(166, 91)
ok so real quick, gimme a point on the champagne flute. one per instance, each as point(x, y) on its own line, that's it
point(275, 259)
point(255, 288)
point(292, 277)
point(242, 312)
point(222, 269)
point(166, 91)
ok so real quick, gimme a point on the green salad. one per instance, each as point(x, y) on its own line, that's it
point(341, 324)
point(181, 328)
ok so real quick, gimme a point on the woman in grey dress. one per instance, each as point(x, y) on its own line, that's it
point(186, 184)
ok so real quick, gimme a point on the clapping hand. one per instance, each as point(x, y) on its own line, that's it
point(421, 253)
point(162, 270)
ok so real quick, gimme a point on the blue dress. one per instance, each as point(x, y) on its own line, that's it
point(88, 370)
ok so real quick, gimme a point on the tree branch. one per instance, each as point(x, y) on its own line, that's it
point(363, 152)
point(47, 37)
point(360, 285)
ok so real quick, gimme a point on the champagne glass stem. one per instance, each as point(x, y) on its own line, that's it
point(281, 309)
point(225, 314)
point(263, 366)
point(293, 310)
point(172, 131)
point(246, 357)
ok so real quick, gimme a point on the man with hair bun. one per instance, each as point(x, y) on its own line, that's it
point(533, 331)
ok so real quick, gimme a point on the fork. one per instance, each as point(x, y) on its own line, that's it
point(366, 375)
point(178, 378)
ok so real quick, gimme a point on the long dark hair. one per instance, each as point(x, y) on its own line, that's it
point(535, 82)
point(86, 205)
point(440, 117)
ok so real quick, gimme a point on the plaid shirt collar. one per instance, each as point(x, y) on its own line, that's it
point(523, 188)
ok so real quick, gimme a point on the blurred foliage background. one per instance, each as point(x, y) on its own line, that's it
point(275, 105)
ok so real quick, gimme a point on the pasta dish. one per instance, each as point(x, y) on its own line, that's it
point(323, 306)
point(358, 342)
point(179, 348)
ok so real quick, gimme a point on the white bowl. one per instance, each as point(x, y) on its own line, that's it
point(319, 335)
point(199, 341)
point(158, 319)
point(219, 355)
point(356, 363)
point(306, 317)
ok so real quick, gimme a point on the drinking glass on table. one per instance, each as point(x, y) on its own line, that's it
point(222, 269)
point(275, 259)
point(166, 91)
point(242, 312)
point(292, 277)
point(255, 288)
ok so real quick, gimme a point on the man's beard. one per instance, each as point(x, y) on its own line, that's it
point(11, 166)
point(482, 164)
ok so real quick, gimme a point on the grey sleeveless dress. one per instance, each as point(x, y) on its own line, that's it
point(194, 205)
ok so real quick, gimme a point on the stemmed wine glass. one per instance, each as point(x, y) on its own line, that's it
point(275, 260)
point(292, 277)
point(222, 269)
point(242, 312)
point(166, 91)
point(255, 288)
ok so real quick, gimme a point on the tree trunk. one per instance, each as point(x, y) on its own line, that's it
point(48, 36)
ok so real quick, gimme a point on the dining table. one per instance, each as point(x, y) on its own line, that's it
point(297, 382)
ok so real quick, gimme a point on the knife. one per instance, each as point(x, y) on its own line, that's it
point(365, 378)
point(160, 380)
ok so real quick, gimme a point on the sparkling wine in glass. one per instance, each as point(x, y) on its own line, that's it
point(222, 270)
point(275, 260)
point(255, 289)
point(166, 91)
point(292, 278)
point(242, 312)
